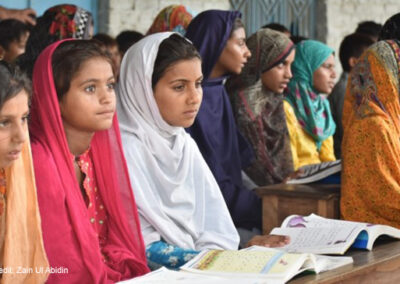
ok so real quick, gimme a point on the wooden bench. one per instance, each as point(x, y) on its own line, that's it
point(282, 200)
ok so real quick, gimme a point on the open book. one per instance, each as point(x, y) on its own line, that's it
point(317, 172)
point(260, 263)
point(315, 234)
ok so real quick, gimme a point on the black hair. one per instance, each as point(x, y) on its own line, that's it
point(297, 39)
point(12, 81)
point(126, 39)
point(106, 40)
point(68, 58)
point(170, 51)
point(11, 30)
point(391, 28)
point(369, 28)
point(277, 27)
point(237, 24)
point(353, 45)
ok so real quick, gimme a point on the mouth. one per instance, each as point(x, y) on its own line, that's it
point(13, 155)
point(191, 113)
point(106, 112)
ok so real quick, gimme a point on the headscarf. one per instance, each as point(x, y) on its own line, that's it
point(214, 130)
point(23, 244)
point(173, 18)
point(370, 189)
point(69, 238)
point(312, 110)
point(391, 28)
point(177, 195)
point(57, 22)
point(259, 112)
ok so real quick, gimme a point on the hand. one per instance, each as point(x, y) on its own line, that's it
point(26, 15)
point(269, 241)
point(293, 175)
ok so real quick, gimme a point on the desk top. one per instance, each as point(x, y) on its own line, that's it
point(313, 190)
point(381, 265)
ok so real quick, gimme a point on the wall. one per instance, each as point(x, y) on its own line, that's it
point(119, 15)
point(342, 17)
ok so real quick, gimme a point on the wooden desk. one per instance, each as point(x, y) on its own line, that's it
point(282, 200)
point(379, 266)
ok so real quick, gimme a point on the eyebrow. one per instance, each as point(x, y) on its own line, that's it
point(94, 80)
point(185, 80)
point(5, 116)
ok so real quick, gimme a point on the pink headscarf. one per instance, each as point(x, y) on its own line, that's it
point(70, 240)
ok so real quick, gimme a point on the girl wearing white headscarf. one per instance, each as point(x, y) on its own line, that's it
point(178, 199)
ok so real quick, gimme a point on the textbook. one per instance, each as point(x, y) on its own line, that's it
point(317, 172)
point(261, 264)
point(315, 234)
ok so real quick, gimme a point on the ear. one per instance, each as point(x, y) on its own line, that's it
point(352, 61)
point(2, 52)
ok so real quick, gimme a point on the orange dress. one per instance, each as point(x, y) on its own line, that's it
point(371, 141)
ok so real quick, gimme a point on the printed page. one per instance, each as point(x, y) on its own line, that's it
point(315, 221)
point(274, 264)
point(328, 240)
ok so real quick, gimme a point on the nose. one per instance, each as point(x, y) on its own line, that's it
point(19, 133)
point(195, 96)
point(106, 96)
point(288, 73)
point(333, 75)
point(247, 52)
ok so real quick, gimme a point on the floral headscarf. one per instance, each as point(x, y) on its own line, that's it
point(174, 18)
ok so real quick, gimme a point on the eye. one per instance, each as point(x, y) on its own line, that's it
point(111, 86)
point(25, 118)
point(5, 123)
point(198, 85)
point(242, 43)
point(90, 89)
point(179, 88)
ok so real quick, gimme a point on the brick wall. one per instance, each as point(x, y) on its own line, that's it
point(119, 15)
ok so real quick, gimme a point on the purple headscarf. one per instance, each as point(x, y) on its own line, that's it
point(223, 147)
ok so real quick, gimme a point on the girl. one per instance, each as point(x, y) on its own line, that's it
point(21, 243)
point(308, 113)
point(181, 207)
point(58, 22)
point(220, 38)
point(90, 223)
point(257, 100)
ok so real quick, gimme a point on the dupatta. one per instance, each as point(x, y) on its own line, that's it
point(69, 238)
point(177, 195)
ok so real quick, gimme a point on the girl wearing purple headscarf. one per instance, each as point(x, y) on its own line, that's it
point(220, 38)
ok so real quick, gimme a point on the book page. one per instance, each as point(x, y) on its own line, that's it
point(326, 240)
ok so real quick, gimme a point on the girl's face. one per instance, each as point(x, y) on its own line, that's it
point(13, 128)
point(178, 93)
point(89, 104)
point(324, 76)
point(277, 78)
point(235, 54)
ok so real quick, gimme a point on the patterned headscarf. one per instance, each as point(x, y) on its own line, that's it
point(259, 112)
point(174, 18)
point(70, 21)
point(312, 110)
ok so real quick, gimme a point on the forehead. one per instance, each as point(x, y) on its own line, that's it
point(184, 68)
point(330, 60)
point(238, 34)
point(18, 103)
point(96, 66)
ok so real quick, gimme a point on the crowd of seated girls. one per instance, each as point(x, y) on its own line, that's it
point(143, 162)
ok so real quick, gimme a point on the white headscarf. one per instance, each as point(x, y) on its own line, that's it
point(177, 196)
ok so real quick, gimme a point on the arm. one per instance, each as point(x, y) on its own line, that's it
point(26, 15)
point(291, 122)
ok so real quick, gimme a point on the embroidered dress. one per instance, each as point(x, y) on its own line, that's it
point(96, 211)
point(370, 189)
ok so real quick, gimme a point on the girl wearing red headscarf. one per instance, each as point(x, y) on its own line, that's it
point(90, 225)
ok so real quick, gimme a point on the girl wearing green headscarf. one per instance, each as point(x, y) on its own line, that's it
point(308, 114)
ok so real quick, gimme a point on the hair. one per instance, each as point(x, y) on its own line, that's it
point(369, 28)
point(106, 40)
point(277, 27)
point(353, 45)
point(126, 39)
point(297, 39)
point(12, 81)
point(11, 30)
point(71, 55)
point(170, 51)
point(391, 28)
point(237, 24)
